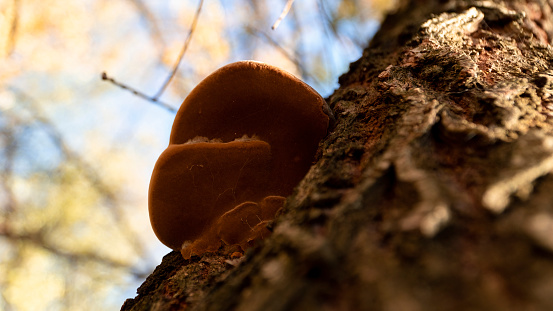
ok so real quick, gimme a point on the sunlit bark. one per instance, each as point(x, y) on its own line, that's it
point(433, 192)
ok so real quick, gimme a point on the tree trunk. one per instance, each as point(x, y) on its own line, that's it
point(433, 190)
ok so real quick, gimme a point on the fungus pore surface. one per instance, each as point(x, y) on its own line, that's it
point(241, 141)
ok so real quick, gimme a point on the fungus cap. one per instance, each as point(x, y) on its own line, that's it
point(195, 183)
point(253, 98)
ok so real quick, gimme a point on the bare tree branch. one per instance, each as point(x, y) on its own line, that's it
point(9, 147)
point(150, 18)
point(292, 57)
point(38, 239)
point(330, 22)
point(13, 28)
point(283, 14)
point(182, 52)
point(155, 99)
point(138, 93)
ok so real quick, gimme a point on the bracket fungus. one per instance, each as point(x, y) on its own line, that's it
point(241, 141)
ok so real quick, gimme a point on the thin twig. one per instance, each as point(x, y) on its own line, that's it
point(136, 92)
point(150, 19)
point(182, 52)
point(13, 28)
point(331, 23)
point(328, 19)
point(283, 14)
point(292, 57)
point(155, 99)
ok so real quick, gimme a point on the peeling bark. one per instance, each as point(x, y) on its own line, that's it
point(433, 192)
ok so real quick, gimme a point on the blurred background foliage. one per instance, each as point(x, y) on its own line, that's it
point(77, 152)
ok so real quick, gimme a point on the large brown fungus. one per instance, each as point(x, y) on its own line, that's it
point(241, 141)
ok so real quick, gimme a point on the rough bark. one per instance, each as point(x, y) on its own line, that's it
point(433, 191)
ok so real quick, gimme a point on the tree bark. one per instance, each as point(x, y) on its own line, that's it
point(432, 192)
